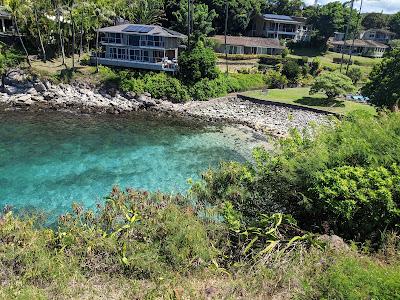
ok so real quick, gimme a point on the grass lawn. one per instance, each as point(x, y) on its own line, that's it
point(301, 97)
point(364, 63)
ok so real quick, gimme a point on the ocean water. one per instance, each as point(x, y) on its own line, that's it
point(50, 160)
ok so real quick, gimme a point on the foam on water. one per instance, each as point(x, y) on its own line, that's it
point(48, 161)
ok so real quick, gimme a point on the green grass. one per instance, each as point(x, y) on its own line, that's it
point(364, 63)
point(301, 97)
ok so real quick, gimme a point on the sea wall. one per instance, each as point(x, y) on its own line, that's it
point(21, 93)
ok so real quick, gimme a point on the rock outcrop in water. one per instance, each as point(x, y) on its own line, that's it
point(20, 93)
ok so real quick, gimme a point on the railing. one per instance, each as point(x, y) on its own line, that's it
point(163, 62)
point(111, 40)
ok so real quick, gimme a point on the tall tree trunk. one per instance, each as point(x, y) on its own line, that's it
point(81, 39)
point(61, 38)
point(97, 49)
point(39, 34)
point(22, 42)
point(73, 39)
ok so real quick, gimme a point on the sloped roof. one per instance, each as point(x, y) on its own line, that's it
point(283, 18)
point(143, 30)
point(361, 43)
point(249, 41)
point(380, 30)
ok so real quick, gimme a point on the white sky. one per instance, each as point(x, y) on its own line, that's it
point(388, 6)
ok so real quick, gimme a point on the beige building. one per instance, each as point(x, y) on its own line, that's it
point(378, 35)
point(281, 27)
point(248, 45)
point(361, 47)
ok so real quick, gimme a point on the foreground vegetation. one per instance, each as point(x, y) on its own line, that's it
point(244, 231)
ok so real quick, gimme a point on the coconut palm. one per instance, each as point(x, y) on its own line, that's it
point(16, 8)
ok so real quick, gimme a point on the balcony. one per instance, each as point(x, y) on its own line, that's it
point(148, 63)
point(111, 40)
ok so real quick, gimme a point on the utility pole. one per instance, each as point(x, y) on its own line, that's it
point(226, 32)
point(354, 37)
point(346, 33)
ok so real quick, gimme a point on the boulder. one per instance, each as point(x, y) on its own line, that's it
point(11, 90)
point(47, 84)
point(335, 242)
point(32, 91)
point(147, 94)
point(39, 87)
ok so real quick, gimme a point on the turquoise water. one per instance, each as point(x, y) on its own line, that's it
point(49, 160)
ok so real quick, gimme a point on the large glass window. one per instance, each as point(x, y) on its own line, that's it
point(134, 40)
point(134, 55)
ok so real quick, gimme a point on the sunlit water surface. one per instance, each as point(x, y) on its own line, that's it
point(49, 160)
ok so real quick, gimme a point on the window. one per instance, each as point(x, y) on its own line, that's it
point(145, 55)
point(134, 40)
point(134, 55)
point(158, 56)
point(121, 53)
point(112, 53)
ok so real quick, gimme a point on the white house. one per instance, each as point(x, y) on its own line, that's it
point(281, 27)
point(378, 35)
point(139, 46)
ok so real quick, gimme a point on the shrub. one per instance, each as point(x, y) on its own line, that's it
point(363, 199)
point(275, 80)
point(206, 89)
point(354, 74)
point(333, 84)
point(285, 52)
point(291, 70)
point(338, 60)
point(315, 66)
point(285, 179)
point(162, 85)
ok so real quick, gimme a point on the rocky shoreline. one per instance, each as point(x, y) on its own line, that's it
point(35, 95)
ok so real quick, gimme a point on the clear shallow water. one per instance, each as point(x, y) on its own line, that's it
point(49, 160)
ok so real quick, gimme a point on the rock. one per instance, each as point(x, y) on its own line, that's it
point(130, 96)
point(11, 90)
point(335, 242)
point(48, 96)
point(147, 94)
point(47, 84)
point(39, 87)
point(32, 91)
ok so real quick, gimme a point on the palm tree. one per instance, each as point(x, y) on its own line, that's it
point(16, 8)
point(103, 15)
point(58, 10)
point(35, 12)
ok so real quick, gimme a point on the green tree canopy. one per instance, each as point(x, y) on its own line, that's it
point(394, 23)
point(383, 87)
point(333, 84)
point(197, 64)
point(331, 17)
point(285, 7)
point(374, 20)
point(202, 19)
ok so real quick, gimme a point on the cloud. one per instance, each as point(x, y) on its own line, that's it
point(387, 6)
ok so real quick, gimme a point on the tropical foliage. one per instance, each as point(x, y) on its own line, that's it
point(333, 84)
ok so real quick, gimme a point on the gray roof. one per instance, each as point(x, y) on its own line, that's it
point(249, 41)
point(283, 18)
point(361, 43)
point(141, 29)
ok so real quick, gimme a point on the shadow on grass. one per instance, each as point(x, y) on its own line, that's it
point(322, 102)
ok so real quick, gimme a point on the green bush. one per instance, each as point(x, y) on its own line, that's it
point(287, 179)
point(363, 199)
point(162, 85)
point(275, 80)
point(291, 70)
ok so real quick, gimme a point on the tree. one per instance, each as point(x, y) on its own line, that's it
point(197, 64)
point(394, 23)
point(374, 20)
point(354, 74)
point(383, 87)
point(329, 18)
point(291, 70)
point(241, 13)
point(202, 19)
point(17, 7)
point(333, 84)
point(285, 7)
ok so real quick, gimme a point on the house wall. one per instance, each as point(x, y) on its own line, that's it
point(361, 51)
point(235, 49)
point(280, 30)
